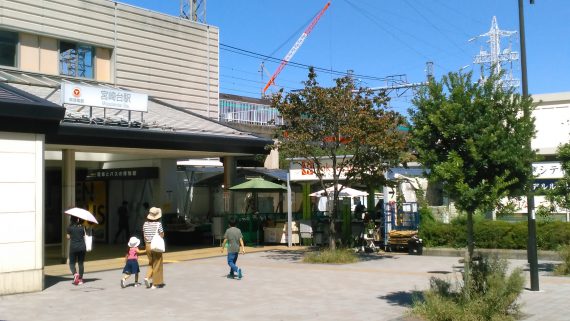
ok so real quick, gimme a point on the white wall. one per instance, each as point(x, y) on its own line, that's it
point(553, 127)
point(21, 212)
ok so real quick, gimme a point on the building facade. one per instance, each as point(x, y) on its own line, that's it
point(170, 58)
point(57, 153)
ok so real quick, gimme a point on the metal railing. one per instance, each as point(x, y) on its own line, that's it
point(253, 115)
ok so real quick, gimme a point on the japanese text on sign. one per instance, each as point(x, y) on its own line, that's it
point(94, 96)
point(547, 170)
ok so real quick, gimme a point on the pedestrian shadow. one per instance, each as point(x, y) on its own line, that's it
point(366, 257)
point(51, 280)
point(282, 255)
point(439, 272)
point(402, 298)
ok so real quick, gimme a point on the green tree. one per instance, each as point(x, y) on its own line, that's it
point(474, 137)
point(560, 194)
point(350, 127)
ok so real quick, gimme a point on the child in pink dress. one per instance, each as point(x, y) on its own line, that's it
point(131, 262)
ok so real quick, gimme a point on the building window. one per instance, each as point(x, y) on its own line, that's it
point(76, 60)
point(8, 44)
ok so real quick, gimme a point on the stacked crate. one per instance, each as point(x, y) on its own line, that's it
point(398, 240)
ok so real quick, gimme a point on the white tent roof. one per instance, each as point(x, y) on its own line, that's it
point(346, 192)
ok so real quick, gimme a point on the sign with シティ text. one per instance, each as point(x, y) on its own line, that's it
point(546, 170)
point(103, 97)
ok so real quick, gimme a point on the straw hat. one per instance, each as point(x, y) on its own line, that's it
point(134, 242)
point(154, 213)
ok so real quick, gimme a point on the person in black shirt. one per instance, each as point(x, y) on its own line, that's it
point(77, 250)
point(123, 214)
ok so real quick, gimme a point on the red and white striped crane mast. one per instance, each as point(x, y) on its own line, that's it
point(295, 47)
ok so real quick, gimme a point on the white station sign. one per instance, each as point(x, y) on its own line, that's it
point(103, 97)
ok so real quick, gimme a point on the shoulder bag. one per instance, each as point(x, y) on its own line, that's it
point(88, 241)
point(157, 242)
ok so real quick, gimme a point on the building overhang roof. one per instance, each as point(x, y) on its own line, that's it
point(86, 135)
point(165, 126)
point(23, 112)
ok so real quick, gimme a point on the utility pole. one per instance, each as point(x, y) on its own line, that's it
point(531, 250)
point(429, 70)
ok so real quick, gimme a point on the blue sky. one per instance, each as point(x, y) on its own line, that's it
point(380, 38)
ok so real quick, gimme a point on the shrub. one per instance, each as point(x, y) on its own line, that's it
point(495, 234)
point(435, 235)
point(338, 256)
point(564, 268)
point(489, 294)
point(551, 234)
point(426, 216)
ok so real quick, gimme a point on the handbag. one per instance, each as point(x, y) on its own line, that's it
point(88, 241)
point(157, 243)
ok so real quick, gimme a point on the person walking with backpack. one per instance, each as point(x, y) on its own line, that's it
point(234, 239)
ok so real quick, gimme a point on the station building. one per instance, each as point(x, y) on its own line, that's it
point(98, 102)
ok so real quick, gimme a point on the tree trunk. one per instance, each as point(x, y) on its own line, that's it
point(470, 242)
point(332, 228)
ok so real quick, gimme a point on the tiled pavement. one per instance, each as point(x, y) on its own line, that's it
point(276, 286)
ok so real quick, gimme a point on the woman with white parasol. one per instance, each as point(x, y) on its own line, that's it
point(76, 235)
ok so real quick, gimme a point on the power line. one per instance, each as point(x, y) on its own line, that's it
point(377, 23)
point(298, 65)
point(234, 90)
point(253, 81)
point(433, 25)
point(281, 80)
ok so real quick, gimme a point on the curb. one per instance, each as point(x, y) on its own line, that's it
point(506, 254)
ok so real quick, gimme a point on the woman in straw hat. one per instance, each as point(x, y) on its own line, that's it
point(154, 275)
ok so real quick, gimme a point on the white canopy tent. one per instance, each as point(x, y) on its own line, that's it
point(346, 192)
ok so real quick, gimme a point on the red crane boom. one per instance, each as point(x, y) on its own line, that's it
point(295, 47)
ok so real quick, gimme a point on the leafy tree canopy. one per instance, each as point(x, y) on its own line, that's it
point(475, 138)
point(560, 194)
point(351, 126)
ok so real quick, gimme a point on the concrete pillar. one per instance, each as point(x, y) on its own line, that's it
point(167, 186)
point(67, 197)
point(230, 172)
point(272, 160)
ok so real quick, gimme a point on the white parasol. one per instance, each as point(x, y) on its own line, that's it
point(82, 214)
point(346, 192)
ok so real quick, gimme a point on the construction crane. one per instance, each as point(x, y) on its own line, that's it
point(295, 47)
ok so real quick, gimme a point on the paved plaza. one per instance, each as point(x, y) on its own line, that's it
point(276, 286)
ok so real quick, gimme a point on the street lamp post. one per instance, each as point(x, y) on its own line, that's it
point(531, 250)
